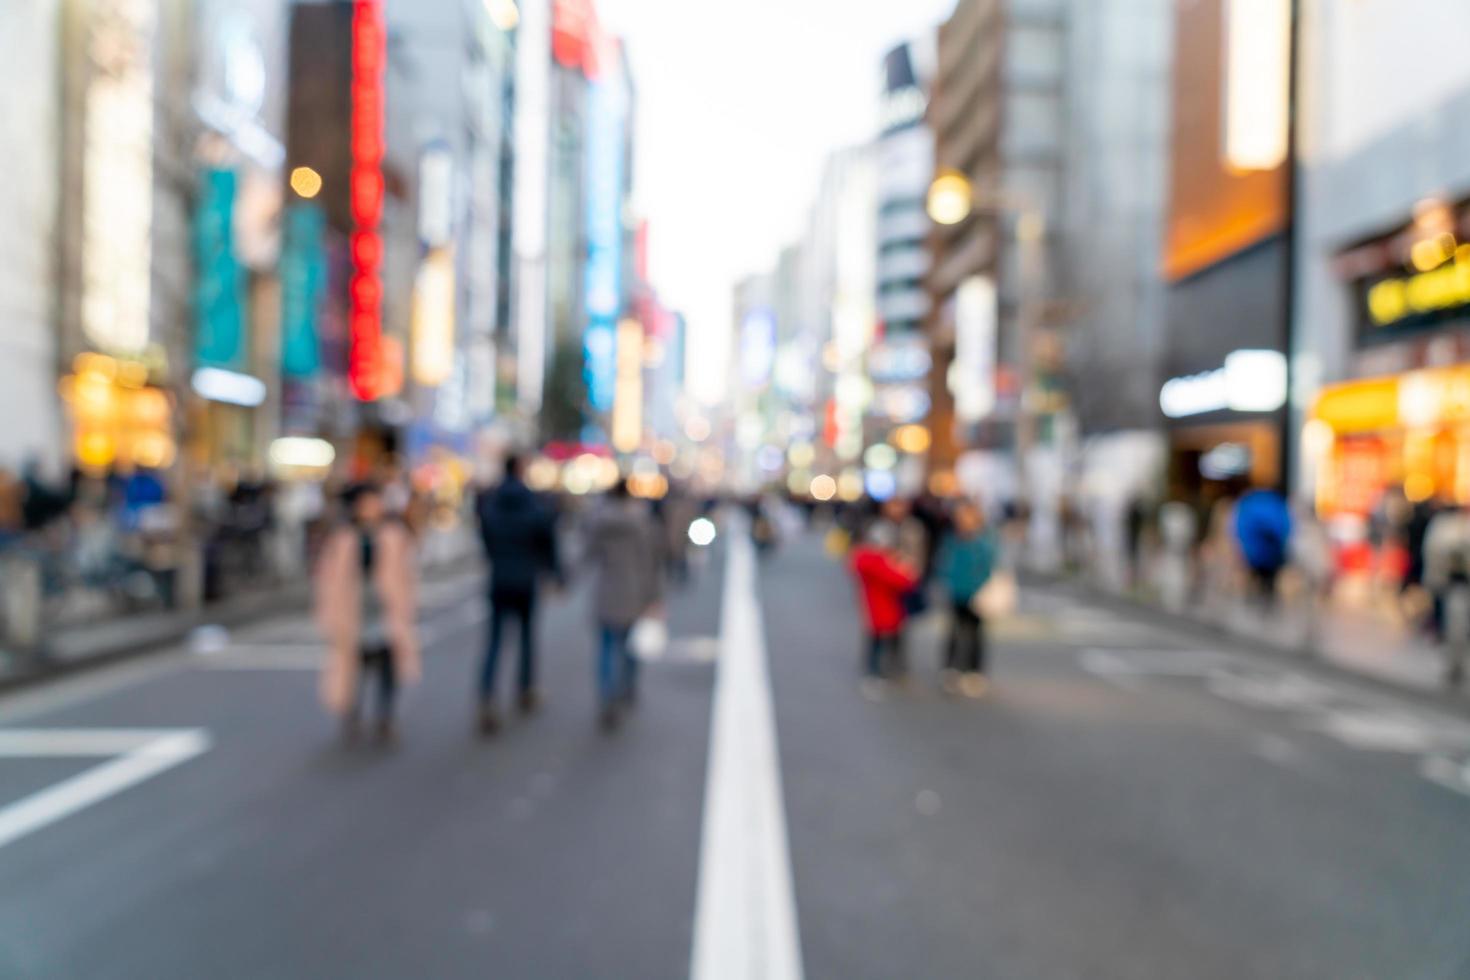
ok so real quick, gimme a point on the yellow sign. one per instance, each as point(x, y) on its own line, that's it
point(627, 416)
point(1444, 288)
point(1418, 399)
point(117, 419)
point(433, 319)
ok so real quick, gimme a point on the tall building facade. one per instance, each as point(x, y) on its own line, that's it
point(899, 360)
point(1118, 55)
point(30, 104)
point(1225, 252)
point(905, 150)
point(1000, 126)
point(448, 226)
point(1381, 347)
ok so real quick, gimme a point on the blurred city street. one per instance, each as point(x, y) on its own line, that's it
point(1130, 801)
point(735, 489)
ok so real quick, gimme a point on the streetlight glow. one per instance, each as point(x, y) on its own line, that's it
point(951, 198)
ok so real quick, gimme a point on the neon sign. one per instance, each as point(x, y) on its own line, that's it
point(365, 291)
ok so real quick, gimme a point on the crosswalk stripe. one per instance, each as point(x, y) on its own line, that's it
point(143, 755)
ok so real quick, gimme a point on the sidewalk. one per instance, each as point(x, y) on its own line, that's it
point(75, 647)
point(1357, 641)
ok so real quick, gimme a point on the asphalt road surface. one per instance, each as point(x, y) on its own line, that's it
point(1128, 802)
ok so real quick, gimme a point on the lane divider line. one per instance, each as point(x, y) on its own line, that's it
point(745, 919)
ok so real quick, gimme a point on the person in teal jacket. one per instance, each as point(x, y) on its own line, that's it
point(966, 559)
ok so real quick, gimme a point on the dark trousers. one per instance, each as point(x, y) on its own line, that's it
point(520, 606)
point(966, 650)
point(888, 645)
point(1264, 579)
point(377, 664)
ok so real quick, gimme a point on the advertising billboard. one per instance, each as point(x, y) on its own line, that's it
point(219, 291)
point(303, 287)
point(607, 119)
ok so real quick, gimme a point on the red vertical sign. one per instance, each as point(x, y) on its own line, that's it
point(365, 293)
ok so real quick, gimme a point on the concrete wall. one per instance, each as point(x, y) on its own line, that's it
point(30, 105)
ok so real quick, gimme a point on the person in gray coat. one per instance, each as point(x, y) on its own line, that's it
point(624, 548)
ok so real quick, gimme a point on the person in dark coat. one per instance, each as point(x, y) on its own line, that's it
point(519, 535)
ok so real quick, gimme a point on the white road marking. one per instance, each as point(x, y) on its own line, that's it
point(1452, 774)
point(1363, 720)
point(689, 650)
point(1389, 731)
point(284, 657)
point(745, 920)
point(140, 754)
point(1280, 751)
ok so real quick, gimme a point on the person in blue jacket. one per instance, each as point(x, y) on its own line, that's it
point(1263, 532)
point(964, 564)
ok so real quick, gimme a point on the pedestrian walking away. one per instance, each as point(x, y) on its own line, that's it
point(965, 563)
point(367, 607)
point(1263, 532)
point(1447, 576)
point(519, 536)
point(883, 578)
point(677, 511)
point(623, 547)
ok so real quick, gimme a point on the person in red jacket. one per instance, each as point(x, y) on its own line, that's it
point(883, 578)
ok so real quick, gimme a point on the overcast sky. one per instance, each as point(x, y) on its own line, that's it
point(739, 101)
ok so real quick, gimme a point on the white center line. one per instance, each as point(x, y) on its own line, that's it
point(745, 921)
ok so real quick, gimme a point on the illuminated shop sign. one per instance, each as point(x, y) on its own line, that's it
point(365, 289)
point(229, 387)
point(627, 420)
point(576, 37)
point(603, 279)
point(1250, 381)
point(1416, 277)
point(971, 378)
point(1257, 83)
point(433, 319)
point(117, 418)
point(1417, 400)
point(117, 192)
point(303, 288)
point(1421, 299)
point(219, 294)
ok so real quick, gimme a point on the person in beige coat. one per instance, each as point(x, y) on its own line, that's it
point(367, 608)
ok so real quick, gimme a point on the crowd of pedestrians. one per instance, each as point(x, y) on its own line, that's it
point(1407, 560)
point(905, 555)
point(367, 606)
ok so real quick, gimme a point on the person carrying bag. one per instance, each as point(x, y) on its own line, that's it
point(977, 590)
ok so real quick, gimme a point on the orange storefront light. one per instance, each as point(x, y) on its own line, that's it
point(1359, 406)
